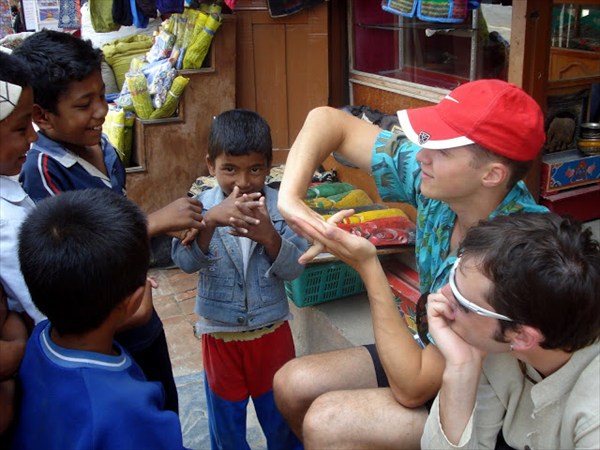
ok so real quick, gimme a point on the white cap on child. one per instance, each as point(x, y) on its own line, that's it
point(9, 97)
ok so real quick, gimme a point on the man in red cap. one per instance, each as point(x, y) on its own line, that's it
point(458, 162)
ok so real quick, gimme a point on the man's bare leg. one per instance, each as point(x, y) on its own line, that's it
point(299, 382)
point(362, 419)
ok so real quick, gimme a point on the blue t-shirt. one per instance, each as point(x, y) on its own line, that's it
point(75, 399)
point(51, 169)
point(397, 175)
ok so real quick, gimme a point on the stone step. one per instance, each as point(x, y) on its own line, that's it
point(337, 324)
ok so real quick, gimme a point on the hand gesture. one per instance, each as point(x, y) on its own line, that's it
point(325, 236)
point(222, 214)
point(178, 216)
point(253, 220)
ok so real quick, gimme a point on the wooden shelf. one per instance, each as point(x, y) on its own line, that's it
point(169, 154)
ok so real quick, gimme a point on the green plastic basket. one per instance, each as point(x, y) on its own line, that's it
point(324, 282)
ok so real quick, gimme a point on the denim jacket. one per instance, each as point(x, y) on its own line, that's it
point(224, 295)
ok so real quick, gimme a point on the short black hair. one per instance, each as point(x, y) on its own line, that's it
point(83, 252)
point(57, 59)
point(545, 271)
point(14, 71)
point(240, 132)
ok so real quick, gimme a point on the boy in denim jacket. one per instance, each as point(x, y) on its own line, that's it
point(244, 254)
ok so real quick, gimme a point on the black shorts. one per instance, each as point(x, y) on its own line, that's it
point(382, 379)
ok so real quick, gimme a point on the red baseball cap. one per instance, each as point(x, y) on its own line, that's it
point(497, 115)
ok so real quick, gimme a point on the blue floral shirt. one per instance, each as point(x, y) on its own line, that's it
point(397, 175)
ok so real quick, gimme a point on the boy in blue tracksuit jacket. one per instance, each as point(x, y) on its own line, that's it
point(243, 255)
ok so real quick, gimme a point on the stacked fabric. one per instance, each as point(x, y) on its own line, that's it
point(380, 224)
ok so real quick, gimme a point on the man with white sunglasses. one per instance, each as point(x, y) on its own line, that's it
point(519, 325)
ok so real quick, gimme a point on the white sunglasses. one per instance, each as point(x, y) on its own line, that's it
point(466, 303)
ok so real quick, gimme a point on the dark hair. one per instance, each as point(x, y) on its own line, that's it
point(545, 271)
point(57, 59)
point(239, 132)
point(14, 9)
point(517, 169)
point(82, 253)
point(14, 70)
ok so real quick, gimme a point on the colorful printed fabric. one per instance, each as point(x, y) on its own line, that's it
point(328, 189)
point(357, 209)
point(345, 200)
point(447, 11)
point(366, 216)
point(385, 231)
point(397, 175)
point(69, 15)
point(406, 8)
point(442, 10)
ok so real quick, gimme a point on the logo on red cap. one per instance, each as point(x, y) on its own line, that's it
point(423, 137)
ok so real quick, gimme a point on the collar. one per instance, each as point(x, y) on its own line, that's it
point(516, 195)
point(561, 382)
point(11, 190)
point(58, 151)
point(67, 158)
point(70, 358)
point(52, 148)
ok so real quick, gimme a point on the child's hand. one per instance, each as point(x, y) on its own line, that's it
point(188, 236)
point(179, 215)
point(13, 336)
point(222, 214)
point(253, 221)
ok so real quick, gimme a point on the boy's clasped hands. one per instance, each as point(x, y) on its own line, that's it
point(246, 214)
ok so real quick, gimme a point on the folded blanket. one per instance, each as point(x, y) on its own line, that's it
point(385, 231)
point(120, 52)
point(357, 209)
point(345, 200)
point(370, 215)
point(328, 189)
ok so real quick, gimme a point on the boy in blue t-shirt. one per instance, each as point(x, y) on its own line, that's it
point(85, 256)
point(72, 153)
point(243, 256)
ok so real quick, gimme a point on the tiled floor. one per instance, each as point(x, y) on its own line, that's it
point(174, 301)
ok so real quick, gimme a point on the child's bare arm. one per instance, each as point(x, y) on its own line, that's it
point(176, 218)
point(7, 403)
point(13, 337)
